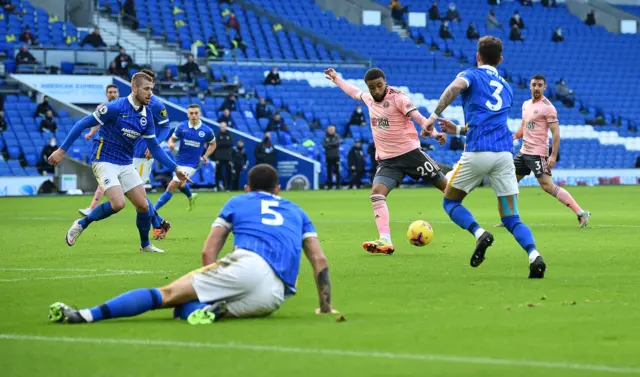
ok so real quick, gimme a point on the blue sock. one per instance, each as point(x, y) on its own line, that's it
point(127, 304)
point(143, 222)
point(186, 190)
point(520, 232)
point(102, 211)
point(156, 220)
point(164, 198)
point(460, 215)
point(183, 311)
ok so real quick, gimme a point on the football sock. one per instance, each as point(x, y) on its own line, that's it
point(522, 234)
point(565, 198)
point(381, 212)
point(156, 219)
point(143, 222)
point(462, 217)
point(127, 304)
point(186, 190)
point(96, 198)
point(164, 198)
point(183, 311)
point(102, 211)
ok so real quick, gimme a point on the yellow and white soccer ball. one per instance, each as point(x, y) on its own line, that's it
point(420, 233)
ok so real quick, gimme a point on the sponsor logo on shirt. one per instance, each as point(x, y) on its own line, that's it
point(192, 143)
point(380, 122)
point(531, 125)
point(131, 134)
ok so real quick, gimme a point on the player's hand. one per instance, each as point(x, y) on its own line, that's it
point(551, 162)
point(56, 157)
point(447, 126)
point(427, 127)
point(204, 160)
point(88, 136)
point(331, 74)
point(441, 138)
point(147, 154)
point(172, 145)
point(319, 311)
point(182, 176)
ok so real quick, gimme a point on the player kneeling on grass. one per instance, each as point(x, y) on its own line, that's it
point(251, 281)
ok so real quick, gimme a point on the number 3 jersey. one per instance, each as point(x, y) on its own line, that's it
point(271, 227)
point(486, 102)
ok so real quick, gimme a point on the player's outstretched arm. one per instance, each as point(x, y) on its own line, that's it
point(314, 253)
point(158, 153)
point(351, 90)
point(451, 128)
point(214, 243)
point(210, 149)
point(73, 135)
point(555, 144)
point(519, 132)
point(450, 94)
point(92, 132)
point(423, 122)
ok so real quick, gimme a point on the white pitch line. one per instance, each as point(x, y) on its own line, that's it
point(48, 269)
point(70, 277)
point(331, 352)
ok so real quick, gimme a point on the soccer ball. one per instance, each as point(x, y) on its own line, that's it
point(420, 233)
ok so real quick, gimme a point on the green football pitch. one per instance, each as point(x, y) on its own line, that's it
point(422, 311)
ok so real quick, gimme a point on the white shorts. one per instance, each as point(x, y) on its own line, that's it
point(109, 175)
point(143, 166)
point(187, 170)
point(244, 280)
point(473, 167)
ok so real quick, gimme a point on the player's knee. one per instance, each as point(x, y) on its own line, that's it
point(118, 204)
point(548, 187)
point(379, 189)
point(143, 206)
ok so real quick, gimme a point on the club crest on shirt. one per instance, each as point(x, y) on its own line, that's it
point(385, 104)
point(143, 121)
point(201, 133)
point(535, 111)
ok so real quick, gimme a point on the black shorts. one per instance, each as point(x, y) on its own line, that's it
point(527, 163)
point(416, 164)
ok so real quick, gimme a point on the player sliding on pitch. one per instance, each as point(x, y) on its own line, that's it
point(486, 99)
point(397, 146)
point(252, 281)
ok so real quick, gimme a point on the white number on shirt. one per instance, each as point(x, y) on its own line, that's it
point(496, 94)
point(267, 209)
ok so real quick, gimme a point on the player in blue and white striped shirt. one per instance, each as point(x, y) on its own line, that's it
point(251, 281)
point(122, 122)
point(486, 99)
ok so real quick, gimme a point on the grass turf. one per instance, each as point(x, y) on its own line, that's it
point(422, 311)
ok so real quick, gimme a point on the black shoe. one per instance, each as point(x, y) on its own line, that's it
point(483, 243)
point(537, 268)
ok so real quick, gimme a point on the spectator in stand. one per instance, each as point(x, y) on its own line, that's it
point(557, 35)
point(229, 103)
point(25, 57)
point(549, 3)
point(356, 160)
point(233, 23)
point(434, 13)
point(357, 119)
point(452, 13)
point(168, 75)
point(492, 21)
point(129, 11)
point(515, 34)
point(591, 18)
point(240, 163)
point(48, 123)
point(371, 151)
point(3, 122)
point(564, 94)
point(27, 36)
point(122, 63)
point(9, 8)
point(213, 49)
point(273, 78)
point(265, 152)
point(43, 107)
point(526, 3)
point(43, 165)
point(331, 146)
point(275, 124)
point(239, 43)
point(472, 33)
point(223, 157)
point(285, 137)
point(516, 20)
point(94, 39)
point(190, 68)
point(261, 109)
point(445, 33)
point(226, 118)
point(397, 12)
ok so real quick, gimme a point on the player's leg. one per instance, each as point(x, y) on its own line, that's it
point(329, 181)
point(185, 188)
point(563, 196)
point(97, 196)
point(505, 185)
point(387, 177)
point(468, 175)
point(129, 304)
point(168, 194)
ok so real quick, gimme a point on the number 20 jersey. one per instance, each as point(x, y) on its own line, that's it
point(486, 103)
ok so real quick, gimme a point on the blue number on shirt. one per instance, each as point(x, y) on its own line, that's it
point(267, 209)
point(496, 94)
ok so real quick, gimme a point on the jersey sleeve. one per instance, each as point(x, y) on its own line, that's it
point(211, 137)
point(179, 132)
point(467, 76)
point(226, 215)
point(160, 115)
point(551, 115)
point(308, 230)
point(404, 104)
point(149, 128)
point(107, 113)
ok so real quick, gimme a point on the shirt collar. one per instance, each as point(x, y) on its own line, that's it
point(140, 109)
point(196, 126)
point(489, 67)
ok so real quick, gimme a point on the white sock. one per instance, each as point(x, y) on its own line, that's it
point(478, 233)
point(533, 255)
point(86, 314)
point(386, 237)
